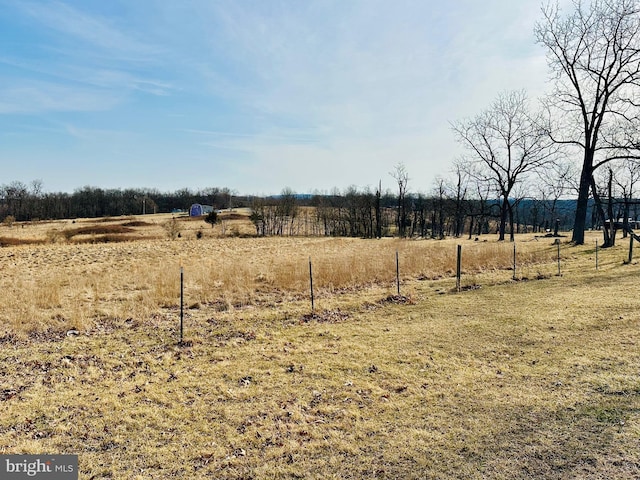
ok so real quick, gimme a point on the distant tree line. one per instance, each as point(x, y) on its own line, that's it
point(450, 210)
point(453, 208)
point(25, 202)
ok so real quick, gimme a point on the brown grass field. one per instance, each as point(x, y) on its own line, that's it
point(532, 377)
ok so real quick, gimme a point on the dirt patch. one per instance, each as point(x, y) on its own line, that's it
point(137, 223)
point(100, 230)
point(235, 334)
point(106, 239)
point(468, 288)
point(98, 220)
point(12, 242)
point(232, 216)
point(49, 335)
point(397, 299)
point(325, 316)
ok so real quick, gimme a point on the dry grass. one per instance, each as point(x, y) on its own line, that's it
point(13, 242)
point(94, 274)
point(508, 379)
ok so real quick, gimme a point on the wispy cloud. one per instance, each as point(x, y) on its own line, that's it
point(69, 60)
point(94, 134)
point(290, 135)
point(81, 74)
point(86, 29)
point(39, 97)
point(119, 79)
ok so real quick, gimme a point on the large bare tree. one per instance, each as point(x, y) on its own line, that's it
point(506, 143)
point(594, 53)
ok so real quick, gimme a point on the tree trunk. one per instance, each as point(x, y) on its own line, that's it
point(625, 217)
point(600, 210)
point(612, 216)
point(504, 211)
point(583, 199)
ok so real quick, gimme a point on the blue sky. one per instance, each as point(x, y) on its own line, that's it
point(253, 95)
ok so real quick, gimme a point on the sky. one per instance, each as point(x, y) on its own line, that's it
point(252, 95)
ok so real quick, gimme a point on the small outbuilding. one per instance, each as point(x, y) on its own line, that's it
point(197, 210)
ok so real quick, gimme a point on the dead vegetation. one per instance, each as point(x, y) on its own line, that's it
point(13, 242)
point(97, 270)
point(137, 223)
point(516, 379)
point(99, 230)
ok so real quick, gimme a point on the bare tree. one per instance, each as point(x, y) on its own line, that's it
point(614, 190)
point(14, 198)
point(602, 187)
point(594, 53)
point(458, 192)
point(506, 143)
point(378, 209)
point(479, 208)
point(34, 208)
point(438, 214)
point(401, 176)
point(627, 177)
point(554, 183)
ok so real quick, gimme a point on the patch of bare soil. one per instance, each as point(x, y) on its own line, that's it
point(137, 223)
point(467, 288)
point(232, 216)
point(325, 316)
point(12, 242)
point(107, 239)
point(397, 299)
point(100, 230)
point(98, 220)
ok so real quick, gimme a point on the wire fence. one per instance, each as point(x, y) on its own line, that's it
point(525, 262)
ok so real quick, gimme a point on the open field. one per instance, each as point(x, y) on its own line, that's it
point(533, 378)
point(76, 275)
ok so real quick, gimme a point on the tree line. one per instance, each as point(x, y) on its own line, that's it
point(28, 202)
point(451, 209)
